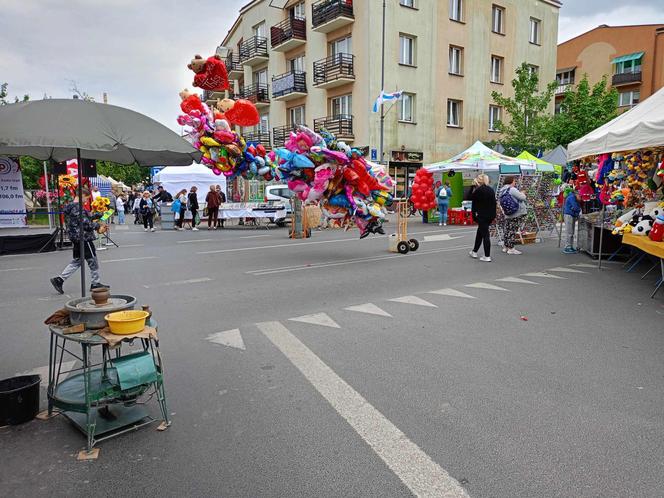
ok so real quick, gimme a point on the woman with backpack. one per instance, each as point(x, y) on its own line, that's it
point(513, 205)
point(443, 194)
point(484, 212)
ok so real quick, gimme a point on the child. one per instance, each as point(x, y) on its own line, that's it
point(571, 212)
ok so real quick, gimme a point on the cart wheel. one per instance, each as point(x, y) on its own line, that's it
point(402, 247)
point(413, 244)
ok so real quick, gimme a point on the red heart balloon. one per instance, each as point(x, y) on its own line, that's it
point(243, 113)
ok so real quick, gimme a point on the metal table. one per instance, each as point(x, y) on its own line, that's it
point(96, 396)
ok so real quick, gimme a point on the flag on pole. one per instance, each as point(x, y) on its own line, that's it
point(386, 97)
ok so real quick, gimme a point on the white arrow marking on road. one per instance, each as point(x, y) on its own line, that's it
point(484, 285)
point(317, 319)
point(452, 292)
point(231, 338)
point(543, 275)
point(560, 269)
point(369, 308)
point(442, 236)
point(516, 280)
point(43, 371)
point(413, 300)
point(584, 265)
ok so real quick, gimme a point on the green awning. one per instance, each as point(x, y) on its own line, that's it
point(627, 58)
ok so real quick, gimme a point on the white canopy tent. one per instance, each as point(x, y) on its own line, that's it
point(478, 157)
point(640, 127)
point(175, 178)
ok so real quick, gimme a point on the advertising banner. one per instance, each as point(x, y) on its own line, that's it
point(12, 203)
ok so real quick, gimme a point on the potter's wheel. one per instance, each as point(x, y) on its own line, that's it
point(111, 305)
point(84, 310)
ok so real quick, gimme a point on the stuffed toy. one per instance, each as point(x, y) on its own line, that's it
point(190, 102)
point(240, 112)
point(211, 73)
point(657, 231)
point(643, 227)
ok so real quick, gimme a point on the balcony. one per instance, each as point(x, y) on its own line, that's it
point(561, 89)
point(258, 137)
point(288, 34)
point(328, 15)
point(626, 78)
point(289, 86)
point(340, 126)
point(335, 70)
point(280, 134)
point(256, 93)
point(254, 51)
point(233, 66)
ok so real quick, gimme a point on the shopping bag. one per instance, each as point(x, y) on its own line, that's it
point(177, 215)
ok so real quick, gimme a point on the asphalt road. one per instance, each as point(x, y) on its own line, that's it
point(549, 383)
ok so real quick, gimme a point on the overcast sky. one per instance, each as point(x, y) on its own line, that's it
point(137, 50)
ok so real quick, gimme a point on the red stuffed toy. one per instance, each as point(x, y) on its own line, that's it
point(190, 102)
point(211, 74)
point(243, 113)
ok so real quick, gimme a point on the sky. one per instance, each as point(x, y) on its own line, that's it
point(137, 51)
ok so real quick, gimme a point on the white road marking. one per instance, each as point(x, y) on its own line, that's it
point(542, 274)
point(130, 245)
point(317, 319)
point(441, 237)
point(484, 285)
point(43, 371)
point(585, 265)
point(561, 269)
point(27, 268)
point(59, 297)
point(410, 464)
point(369, 308)
point(231, 338)
point(194, 240)
point(179, 282)
point(418, 301)
point(517, 280)
point(255, 236)
point(129, 259)
point(452, 293)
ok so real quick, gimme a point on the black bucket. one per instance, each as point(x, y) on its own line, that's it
point(19, 399)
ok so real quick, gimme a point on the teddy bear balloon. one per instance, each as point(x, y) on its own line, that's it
point(211, 73)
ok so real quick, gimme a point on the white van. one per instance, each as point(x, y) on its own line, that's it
point(280, 193)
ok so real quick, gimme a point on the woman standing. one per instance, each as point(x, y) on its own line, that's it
point(120, 208)
point(193, 206)
point(484, 212)
point(443, 194)
point(146, 208)
point(222, 200)
point(212, 201)
point(513, 204)
point(180, 204)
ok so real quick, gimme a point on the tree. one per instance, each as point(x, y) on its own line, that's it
point(582, 110)
point(3, 95)
point(529, 120)
point(131, 174)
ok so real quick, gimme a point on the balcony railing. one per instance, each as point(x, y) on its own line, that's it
point(336, 68)
point(256, 93)
point(280, 134)
point(294, 82)
point(258, 136)
point(561, 89)
point(210, 96)
point(626, 78)
point(233, 64)
point(293, 29)
point(331, 14)
point(341, 126)
point(252, 48)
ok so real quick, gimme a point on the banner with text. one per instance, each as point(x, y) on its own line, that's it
point(12, 203)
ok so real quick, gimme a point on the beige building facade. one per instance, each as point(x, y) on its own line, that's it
point(318, 62)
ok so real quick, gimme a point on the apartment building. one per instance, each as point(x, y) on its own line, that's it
point(318, 62)
point(631, 56)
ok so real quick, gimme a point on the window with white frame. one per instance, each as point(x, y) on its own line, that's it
point(496, 69)
point(341, 46)
point(297, 64)
point(454, 109)
point(407, 3)
point(407, 108)
point(406, 50)
point(260, 78)
point(566, 77)
point(535, 31)
point(498, 19)
point(456, 10)
point(494, 117)
point(264, 124)
point(341, 106)
point(629, 98)
point(296, 115)
point(298, 11)
point(533, 69)
point(260, 30)
point(631, 66)
point(456, 60)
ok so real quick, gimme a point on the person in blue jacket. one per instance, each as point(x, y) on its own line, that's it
point(443, 194)
point(571, 212)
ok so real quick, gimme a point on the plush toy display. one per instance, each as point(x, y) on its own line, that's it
point(642, 227)
point(211, 73)
point(657, 231)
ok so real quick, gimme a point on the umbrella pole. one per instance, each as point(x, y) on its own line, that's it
point(81, 242)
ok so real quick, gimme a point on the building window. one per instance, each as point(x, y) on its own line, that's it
point(341, 106)
point(533, 69)
point(297, 64)
point(260, 78)
point(454, 109)
point(407, 3)
point(296, 116)
point(341, 46)
point(558, 107)
point(456, 60)
point(566, 77)
point(407, 108)
point(535, 31)
point(456, 10)
point(407, 50)
point(298, 11)
point(629, 98)
point(494, 117)
point(496, 69)
point(264, 124)
point(633, 66)
point(497, 19)
point(260, 30)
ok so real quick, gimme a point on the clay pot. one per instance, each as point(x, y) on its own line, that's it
point(100, 296)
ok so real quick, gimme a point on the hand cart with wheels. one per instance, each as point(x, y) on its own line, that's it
point(399, 242)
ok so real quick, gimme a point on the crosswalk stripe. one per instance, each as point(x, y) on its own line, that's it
point(517, 280)
point(231, 338)
point(317, 319)
point(368, 308)
point(561, 269)
point(484, 285)
point(584, 265)
point(451, 292)
point(541, 274)
point(418, 301)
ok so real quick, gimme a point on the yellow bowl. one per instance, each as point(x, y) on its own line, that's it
point(127, 322)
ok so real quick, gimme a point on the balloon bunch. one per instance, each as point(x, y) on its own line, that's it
point(423, 196)
point(320, 169)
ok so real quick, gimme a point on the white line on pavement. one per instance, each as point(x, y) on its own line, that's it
point(129, 259)
point(21, 269)
point(195, 240)
point(412, 466)
point(255, 236)
point(130, 245)
point(179, 282)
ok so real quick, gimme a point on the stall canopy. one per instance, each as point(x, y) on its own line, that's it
point(477, 157)
point(557, 157)
point(102, 183)
point(536, 162)
point(639, 128)
point(174, 179)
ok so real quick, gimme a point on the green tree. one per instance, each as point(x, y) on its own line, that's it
point(131, 174)
point(583, 109)
point(528, 123)
point(3, 95)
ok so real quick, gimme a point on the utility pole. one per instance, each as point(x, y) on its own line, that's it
point(382, 88)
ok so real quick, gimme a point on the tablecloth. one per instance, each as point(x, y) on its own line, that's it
point(645, 244)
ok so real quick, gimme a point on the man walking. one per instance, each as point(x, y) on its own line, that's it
point(81, 228)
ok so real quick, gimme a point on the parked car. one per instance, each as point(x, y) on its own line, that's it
point(280, 193)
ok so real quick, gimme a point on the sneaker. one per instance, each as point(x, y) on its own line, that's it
point(444, 224)
point(504, 249)
point(486, 259)
point(194, 229)
point(569, 250)
point(473, 254)
point(514, 251)
point(440, 224)
point(57, 284)
point(145, 229)
point(152, 229)
point(99, 285)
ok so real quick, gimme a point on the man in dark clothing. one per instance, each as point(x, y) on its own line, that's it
point(192, 201)
point(484, 212)
point(81, 228)
point(222, 197)
point(162, 195)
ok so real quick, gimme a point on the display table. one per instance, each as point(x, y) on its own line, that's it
point(648, 246)
point(589, 237)
point(100, 396)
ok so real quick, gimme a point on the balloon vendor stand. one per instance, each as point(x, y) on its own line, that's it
point(399, 242)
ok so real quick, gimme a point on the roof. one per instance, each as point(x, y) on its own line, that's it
point(606, 26)
point(628, 57)
point(243, 9)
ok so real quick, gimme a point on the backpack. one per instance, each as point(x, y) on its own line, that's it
point(442, 193)
point(175, 207)
point(508, 203)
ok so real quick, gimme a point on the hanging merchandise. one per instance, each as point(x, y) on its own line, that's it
point(211, 73)
point(423, 196)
